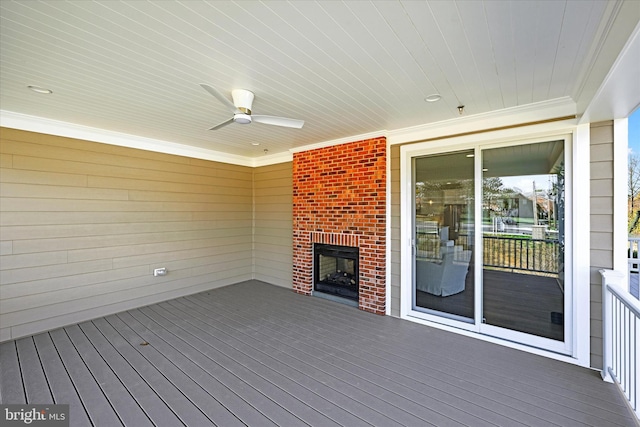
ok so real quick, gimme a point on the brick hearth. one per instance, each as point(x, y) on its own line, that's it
point(339, 197)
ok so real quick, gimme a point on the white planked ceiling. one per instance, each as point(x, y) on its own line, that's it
point(344, 67)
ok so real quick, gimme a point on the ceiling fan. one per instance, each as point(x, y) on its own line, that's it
point(241, 107)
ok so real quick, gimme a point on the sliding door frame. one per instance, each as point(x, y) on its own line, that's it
point(575, 348)
point(562, 347)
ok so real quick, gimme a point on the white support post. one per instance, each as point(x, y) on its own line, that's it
point(620, 196)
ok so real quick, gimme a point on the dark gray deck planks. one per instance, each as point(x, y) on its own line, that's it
point(95, 402)
point(307, 404)
point(261, 355)
point(403, 381)
point(320, 368)
point(296, 382)
point(11, 389)
point(534, 369)
point(168, 363)
point(265, 396)
point(35, 382)
point(61, 385)
point(236, 396)
point(123, 403)
point(153, 375)
point(385, 337)
point(573, 375)
point(146, 397)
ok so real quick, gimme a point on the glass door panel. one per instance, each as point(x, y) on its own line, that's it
point(443, 235)
point(523, 286)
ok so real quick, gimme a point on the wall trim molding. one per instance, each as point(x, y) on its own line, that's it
point(25, 122)
point(535, 113)
point(348, 139)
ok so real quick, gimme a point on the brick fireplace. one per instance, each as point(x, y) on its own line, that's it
point(339, 198)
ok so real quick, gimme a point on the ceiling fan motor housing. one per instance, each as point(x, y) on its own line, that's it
point(242, 99)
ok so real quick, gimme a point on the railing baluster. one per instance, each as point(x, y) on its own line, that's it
point(512, 251)
point(620, 336)
point(520, 254)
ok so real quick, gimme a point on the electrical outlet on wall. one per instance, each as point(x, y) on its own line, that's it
point(160, 271)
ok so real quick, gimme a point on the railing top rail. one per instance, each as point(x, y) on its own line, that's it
point(626, 298)
point(523, 238)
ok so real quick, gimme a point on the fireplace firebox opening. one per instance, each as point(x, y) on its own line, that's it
point(335, 270)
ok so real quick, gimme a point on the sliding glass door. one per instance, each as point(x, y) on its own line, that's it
point(488, 239)
point(523, 239)
point(443, 235)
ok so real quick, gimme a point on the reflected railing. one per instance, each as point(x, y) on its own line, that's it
point(520, 254)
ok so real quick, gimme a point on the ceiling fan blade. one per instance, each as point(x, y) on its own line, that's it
point(278, 121)
point(220, 97)
point(218, 126)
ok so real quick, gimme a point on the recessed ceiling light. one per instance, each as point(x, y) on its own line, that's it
point(433, 97)
point(255, 144)
point(39, 89)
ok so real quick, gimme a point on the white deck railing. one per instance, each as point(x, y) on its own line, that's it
point(620, 336)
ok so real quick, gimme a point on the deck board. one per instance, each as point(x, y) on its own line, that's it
point(61, 385)
point(163, 362)
point(496, 406)
point(239, 399)
point(148, 399)
point(214, 354)
point(255, 354)
point(35, 382)
point(11, 388)
point(125, 405)
point(298, 375)
point(393, 386)
point(188, 413)
point(311, 409)
point(94, 401)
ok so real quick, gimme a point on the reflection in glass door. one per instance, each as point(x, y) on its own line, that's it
point(443, 235)
point(523, 212)
point(487, 241)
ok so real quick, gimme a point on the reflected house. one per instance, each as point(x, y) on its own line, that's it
point(508, 209)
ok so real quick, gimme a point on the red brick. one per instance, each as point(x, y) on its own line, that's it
point(342, 190)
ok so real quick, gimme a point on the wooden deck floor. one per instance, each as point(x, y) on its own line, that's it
point(259, 355)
